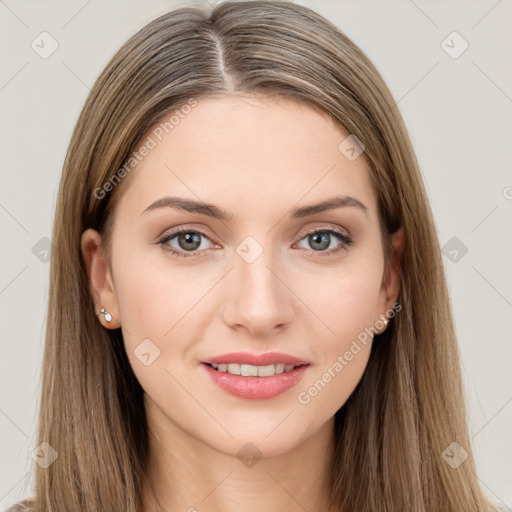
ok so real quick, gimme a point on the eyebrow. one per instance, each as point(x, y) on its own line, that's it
point(192, 206)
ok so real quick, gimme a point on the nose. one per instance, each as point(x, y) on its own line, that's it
point(259, 299)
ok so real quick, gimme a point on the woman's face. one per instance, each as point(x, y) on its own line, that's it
point(256, 281)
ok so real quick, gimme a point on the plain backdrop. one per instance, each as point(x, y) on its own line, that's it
point(457, 104)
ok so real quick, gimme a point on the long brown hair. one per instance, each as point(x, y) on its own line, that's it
point(409, 405)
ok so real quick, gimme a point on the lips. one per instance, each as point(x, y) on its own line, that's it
point(256, 359)
point(255, 388)
point(259, 385)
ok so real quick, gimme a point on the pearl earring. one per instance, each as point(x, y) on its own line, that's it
point(385, 321)
point(106, 315)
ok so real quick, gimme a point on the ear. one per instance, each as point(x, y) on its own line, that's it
point(100, 278)
point(390, 288)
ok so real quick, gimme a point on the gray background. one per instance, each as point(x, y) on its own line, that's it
point(458, 111)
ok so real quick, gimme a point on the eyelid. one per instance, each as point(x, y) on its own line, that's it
point(187, 227)
point(324, 227)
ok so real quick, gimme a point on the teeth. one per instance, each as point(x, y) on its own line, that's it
point(266, 371)
point(248, 370)
point(234, 369)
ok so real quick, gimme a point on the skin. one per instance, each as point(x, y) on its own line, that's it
point(256, 158)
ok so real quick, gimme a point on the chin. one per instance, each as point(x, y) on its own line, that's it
point(256, 444)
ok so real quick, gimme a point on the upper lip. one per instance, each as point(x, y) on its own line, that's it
point(256, 359)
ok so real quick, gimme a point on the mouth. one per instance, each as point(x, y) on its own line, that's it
point(249, 370)
point(255, 382)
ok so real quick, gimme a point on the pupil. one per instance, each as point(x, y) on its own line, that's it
point(325, 236)
point(190, 238)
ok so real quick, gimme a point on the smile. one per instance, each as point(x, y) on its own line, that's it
point(255, 382)
point(249, 370)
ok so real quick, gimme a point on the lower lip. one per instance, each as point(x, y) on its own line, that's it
point(256, 388)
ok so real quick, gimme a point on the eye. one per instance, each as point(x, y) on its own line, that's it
point(189, 241)
point(322, 238)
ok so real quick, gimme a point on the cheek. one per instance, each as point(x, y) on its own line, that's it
point(162, 304)
point(149, 305)
point(140, 298)
point(345, 302)
point(345, 305)
point(155, 327)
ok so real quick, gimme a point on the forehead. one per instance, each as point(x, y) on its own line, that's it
point(252, 155)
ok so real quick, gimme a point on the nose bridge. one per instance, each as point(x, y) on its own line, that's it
point(259, 299)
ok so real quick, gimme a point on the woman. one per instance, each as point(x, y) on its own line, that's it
point(248, 307)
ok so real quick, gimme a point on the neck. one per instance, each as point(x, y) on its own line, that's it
point(186, 474)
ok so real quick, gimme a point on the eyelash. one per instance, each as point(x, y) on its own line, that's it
point(342, 237)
